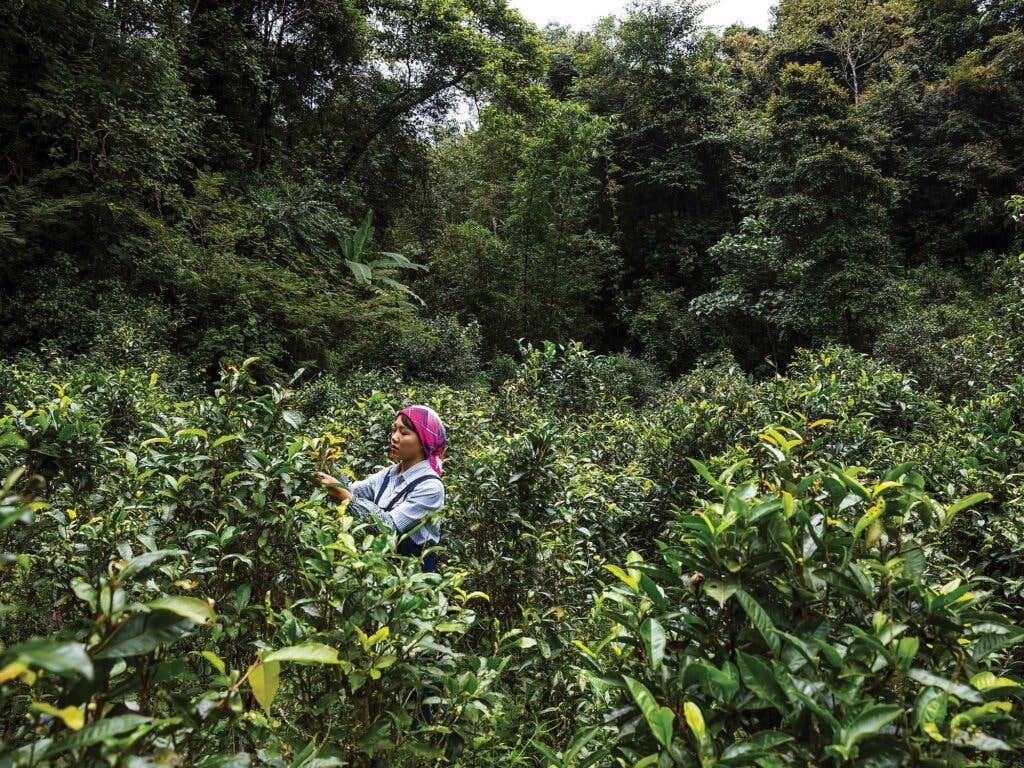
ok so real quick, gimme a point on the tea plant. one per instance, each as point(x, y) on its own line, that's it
point(804, 612)
point(817, 568)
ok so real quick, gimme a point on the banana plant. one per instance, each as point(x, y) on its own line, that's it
point(375, 268)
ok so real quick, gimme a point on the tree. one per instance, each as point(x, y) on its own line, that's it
point(524, 250)
point(811, 263)
point(657, 77)
point(204, 160)
point(954, 132)
point(564, 261)
point(473, 277)
point(852, 35)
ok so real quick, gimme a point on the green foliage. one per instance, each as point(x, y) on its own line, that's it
point(714, 569)
point(440, 350)
point(185, 175)
point(852, 36)
point(189, 184)
point(660, 320)
point(571, 379)
point(468, 276)
point(946, 102)
point(379, 270)
point(805, 612)
point(654, 76)
point(158, 560)
point(766, 190)
point(542, 273)
point(814, 261)
point(790, 554)
point(956, 339)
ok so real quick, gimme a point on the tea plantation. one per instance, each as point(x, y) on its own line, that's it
point(817, 568)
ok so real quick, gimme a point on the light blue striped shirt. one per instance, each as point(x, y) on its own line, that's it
point(421, 505)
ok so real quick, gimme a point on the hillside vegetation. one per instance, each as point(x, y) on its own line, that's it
point(726, 327)
point(717, 572)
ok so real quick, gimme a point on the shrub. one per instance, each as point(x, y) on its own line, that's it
point(802, 613)
point(134, 500)
point(186, 588)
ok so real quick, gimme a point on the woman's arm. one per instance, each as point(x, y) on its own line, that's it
point(367, 488)
point(360, 488)
point(425, 498)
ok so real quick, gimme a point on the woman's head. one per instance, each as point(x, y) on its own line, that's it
point(418, 434)
point(405, 441)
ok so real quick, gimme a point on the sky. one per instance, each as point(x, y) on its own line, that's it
point(583, 13)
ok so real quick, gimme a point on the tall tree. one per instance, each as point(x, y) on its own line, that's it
point(206, 159)
point(525, 252)
point(657, 77)
point(812, 260)
point(851, 36)
point(951, 103)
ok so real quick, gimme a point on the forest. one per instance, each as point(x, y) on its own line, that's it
point(726, 327)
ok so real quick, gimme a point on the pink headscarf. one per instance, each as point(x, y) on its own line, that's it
point(430, 431)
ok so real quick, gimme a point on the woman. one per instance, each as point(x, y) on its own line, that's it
point(406, 496)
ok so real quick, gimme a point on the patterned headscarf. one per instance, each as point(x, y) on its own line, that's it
point(430, 431)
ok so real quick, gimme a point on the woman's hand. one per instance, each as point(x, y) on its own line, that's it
point(334, 488)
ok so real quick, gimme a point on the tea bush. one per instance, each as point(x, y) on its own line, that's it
point(821, 567)
point(801, 613)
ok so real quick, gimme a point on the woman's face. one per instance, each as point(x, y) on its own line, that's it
point(405, 443)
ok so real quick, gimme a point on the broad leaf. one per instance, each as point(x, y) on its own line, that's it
point(65, 659)
point(760, 620)
point(867, 723)
point(265, 679)
point(760, 679)
point(654, 641)
point(659, 719)
point(307, 653)
point(964, 692)
point(192, 608)
point(144, 561)
point(143, 633)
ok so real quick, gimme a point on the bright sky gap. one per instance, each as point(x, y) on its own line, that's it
point(580, 14)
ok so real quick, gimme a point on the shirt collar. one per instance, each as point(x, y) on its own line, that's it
point(416, 470)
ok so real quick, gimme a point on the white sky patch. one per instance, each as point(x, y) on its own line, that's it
point(582, 13)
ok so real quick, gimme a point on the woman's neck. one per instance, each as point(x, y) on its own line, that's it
point(405, 466)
